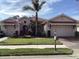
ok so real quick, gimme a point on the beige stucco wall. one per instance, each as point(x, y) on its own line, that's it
point(9, 30)
point(61, 29)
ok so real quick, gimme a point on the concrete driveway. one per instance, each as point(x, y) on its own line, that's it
point(72, 43)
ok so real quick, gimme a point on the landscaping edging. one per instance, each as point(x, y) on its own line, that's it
point(35, 51)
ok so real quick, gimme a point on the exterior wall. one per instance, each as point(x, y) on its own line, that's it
point(27, 21)
point(1, 25)
point(9, 28)
point(46, 28)
point(77, 27)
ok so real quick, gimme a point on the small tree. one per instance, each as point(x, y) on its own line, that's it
point(36, 8)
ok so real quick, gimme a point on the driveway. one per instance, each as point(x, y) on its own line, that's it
point(72, 43)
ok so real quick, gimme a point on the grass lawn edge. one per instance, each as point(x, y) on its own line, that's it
point(30, 41)
point(35, 51)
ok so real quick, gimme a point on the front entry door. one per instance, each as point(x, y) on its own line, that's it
point(49, 33)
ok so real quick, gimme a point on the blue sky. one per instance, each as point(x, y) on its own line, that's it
point(51, 8)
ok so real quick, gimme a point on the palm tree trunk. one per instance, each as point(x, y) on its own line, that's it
point(36, 33)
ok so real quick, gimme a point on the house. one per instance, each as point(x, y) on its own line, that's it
point(62, 25)
point(19, 24)
point(11, 25)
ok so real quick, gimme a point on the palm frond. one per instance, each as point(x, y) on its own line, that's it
point(35, 4)
point(42, 3)
point(28, 8)
point(35, 1)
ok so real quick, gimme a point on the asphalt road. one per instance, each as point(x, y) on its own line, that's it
point(41, 57)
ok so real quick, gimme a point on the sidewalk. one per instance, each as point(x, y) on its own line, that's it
point(32, 46)
point(4, 38)
point(28, 46)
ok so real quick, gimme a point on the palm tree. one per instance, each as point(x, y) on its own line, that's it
point(36, 8)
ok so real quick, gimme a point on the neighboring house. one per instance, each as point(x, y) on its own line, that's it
point(62, 25)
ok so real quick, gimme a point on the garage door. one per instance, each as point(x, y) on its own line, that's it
point(63, 31)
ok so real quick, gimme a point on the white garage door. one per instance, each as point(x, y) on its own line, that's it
point(63, 31)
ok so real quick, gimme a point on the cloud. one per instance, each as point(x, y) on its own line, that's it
point(14, 7)
point(12, 1)
point(16, 12)
point(46, 8)
point(53, 1)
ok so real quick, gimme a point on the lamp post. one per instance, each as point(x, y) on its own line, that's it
point(55, 38)
point(17, 19)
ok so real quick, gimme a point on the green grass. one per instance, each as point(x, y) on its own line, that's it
point(35, 51)
point(29, 41)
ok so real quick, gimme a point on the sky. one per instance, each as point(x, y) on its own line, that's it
point(50, 9)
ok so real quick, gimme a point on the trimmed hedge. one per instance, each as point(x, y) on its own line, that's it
point(35, 51)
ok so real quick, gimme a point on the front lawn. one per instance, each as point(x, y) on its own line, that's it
point(35, 51)
point(29, 41)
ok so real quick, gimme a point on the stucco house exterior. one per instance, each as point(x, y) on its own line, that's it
point(21, 24)
point(62, 25)
point(11, 25)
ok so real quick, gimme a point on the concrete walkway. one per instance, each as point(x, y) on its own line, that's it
point(32, 46)
point(4, 38)
point(72, 43)
point(39, 57)
point(28, 46)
